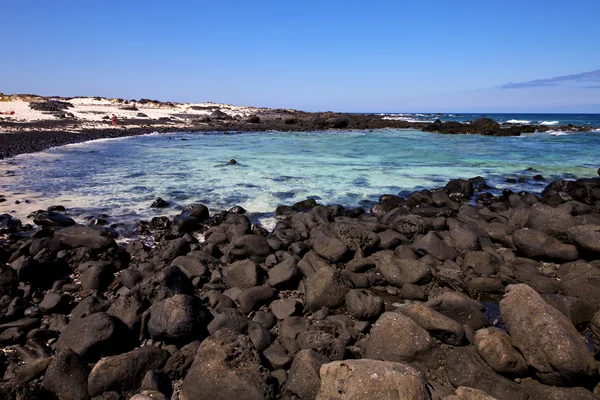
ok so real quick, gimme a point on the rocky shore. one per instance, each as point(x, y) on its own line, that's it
point(56, 122)
point(431, 296)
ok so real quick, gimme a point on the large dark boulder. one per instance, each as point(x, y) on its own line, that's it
point(437, 324)
point(465, 368)
point(124, 373)
point(242, 274)
point(461, 188)
point(227, 367)
point(328, 247)
point(250, 246)
point(535, 328)
point(432, 245)
point(179, 363)
point(586, 238)
point(536, 244)
point(9, 224)
point(304, 378)
point(168, 282)
point(372, 380)
point(537, 390)
point(95, 336)
point(461, 308)
point(362, 304)
point(67, 376)
point(47, 219)
point(495, 347)
point(396, 337)
point(82, 236)
point(326, 288)
point(486, 126)
point(398, 271)
point(178, 319)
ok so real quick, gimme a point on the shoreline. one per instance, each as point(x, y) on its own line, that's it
point(85, 119)
point(427, 280)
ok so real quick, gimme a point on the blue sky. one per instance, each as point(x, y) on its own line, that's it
point(312, 55)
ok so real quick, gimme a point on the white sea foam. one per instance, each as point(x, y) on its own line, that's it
point(549, 123)
point(560, 133)
point(407, 119)
point(518, 121)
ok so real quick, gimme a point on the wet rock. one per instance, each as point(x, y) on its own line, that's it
point(328, 247)
point(371, 380)
point(325, 288)
point(536, 244)
point(437, 324)
point(48, 219)
point(124, 372)
point(159, 203)
point(304, 378)
point(9, 224)
point(535, 327)
point(242, 274)
point(67, 376)
point(461, 188)
point(94, 336)
point(180, 319)
point(495, 347)
point(82, 236)
point(465, 368)
point(226, 367)
point(362, 304)
point(396, 337)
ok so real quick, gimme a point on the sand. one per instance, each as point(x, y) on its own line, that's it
point(89, 113)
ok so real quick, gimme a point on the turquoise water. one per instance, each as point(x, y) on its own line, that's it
point(121, 177)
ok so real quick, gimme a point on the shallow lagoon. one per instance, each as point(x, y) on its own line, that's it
point(121, 177)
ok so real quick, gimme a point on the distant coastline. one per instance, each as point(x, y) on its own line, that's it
point(30, 123)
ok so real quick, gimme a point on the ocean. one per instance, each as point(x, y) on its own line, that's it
point(550, 120)
point(122, 177)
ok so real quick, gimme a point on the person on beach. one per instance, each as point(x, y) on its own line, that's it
point(114, 120)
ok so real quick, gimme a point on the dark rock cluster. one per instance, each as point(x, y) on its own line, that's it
point(432, 296)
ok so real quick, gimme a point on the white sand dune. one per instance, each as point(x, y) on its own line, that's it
point(89, 112)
